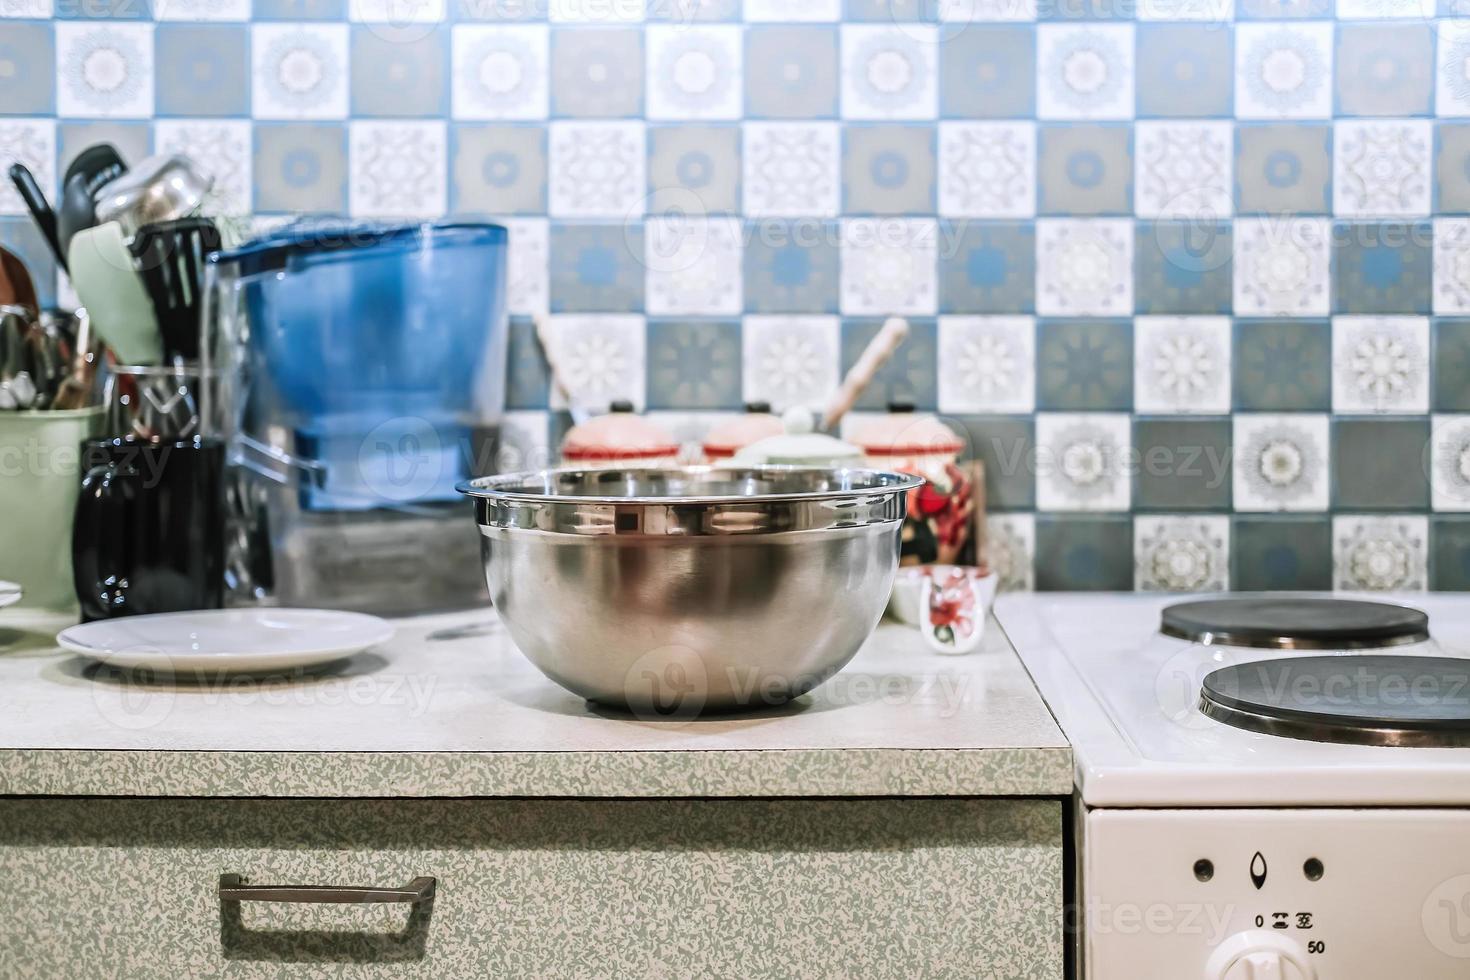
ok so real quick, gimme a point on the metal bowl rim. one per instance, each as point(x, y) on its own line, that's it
point(486, 487)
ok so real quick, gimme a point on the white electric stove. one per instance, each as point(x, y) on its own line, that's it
point(1269, 787)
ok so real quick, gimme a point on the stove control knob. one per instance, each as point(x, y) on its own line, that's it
point(1259, 955)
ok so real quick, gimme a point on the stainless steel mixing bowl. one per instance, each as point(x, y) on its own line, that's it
point(678, 590)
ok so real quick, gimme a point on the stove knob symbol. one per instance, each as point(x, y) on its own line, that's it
point(1258, 870)
point(1259, 955)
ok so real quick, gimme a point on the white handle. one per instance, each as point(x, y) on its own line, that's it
point(895, 330)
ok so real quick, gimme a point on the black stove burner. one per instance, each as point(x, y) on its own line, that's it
point(1302, 623)
point(1360, 699)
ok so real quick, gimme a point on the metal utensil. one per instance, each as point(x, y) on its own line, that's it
point(40, 209)
point(160, 188)
point(75, 390)
point(171, 263)
point(689, 588)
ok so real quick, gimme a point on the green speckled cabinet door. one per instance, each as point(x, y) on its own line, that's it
point(853, 888)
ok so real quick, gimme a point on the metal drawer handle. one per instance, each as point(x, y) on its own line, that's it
point(232, 888)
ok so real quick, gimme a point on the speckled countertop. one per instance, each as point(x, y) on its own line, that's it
point(450, 708)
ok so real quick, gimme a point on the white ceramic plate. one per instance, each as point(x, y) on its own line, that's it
point(10, 594)
point(228, 641)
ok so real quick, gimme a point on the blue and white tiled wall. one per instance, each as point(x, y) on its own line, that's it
point(1139, 240)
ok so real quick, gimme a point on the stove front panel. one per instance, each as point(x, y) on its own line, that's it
point(1280, 894)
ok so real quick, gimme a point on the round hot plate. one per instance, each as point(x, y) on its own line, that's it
point(1360, 699)
point(1301, 623)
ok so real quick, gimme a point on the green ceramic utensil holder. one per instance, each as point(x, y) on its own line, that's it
point(40, 472)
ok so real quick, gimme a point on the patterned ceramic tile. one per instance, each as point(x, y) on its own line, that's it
point(987, 267)
point(598, 267)
point(1380, 554)
point(789, 360)
point(1183, 170)
point(1381, 167)
point(397, 169)
point(989, 70)
point(694, 365)
point(603, 357)
point(1380, 364)
point(597, 72)
point(693, 266)
point(1010, 546)
point(203, 70)
point(1283, 71)
point(393, 13)
point(694, 169)
point(1451, 265)
point(528, 268)
point(791, 72)
point(1085, 72)
point(28, 84)
point(299, 71)
point(1280, 553)
point(987, 169)
point(889, 169)
point(1449, 463)
point(104, 70)
point(1184, 464)
point(1282, 365)
point(1181, 554)
point(1083, 461)
point(1382, 267)
point(596, 11)
point(1181, 365)
point(399, 72)
point(500, 72)
point(1084, 552)
point(1006, 445)
point(1380, 464)
point(597, 169)
point(888, 266)
point(1452, 365)
point(1385, 69)
point(1084, 267)
point(1281, 462)
point(694, 72)
point(1084, 365)
point(792, 267)
point(1085, 169)
point(792, 169)
point(890, 72)
point(1283, 167)
point(1281, 266)
point(1184, 71)
point(497, 169)
point(986, 364)
point(202, 9)
point(783, 10)
point(1452, 75)
point(31, 142)
point(1183, 266)
point(300, 167)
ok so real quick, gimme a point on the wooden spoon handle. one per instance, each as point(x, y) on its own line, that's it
point(895, 330)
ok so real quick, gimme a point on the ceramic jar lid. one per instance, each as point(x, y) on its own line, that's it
point(620, 435)
point(904, 433)
point(728, 438)
point(799, 445)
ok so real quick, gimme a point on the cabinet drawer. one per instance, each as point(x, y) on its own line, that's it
point(535, 888)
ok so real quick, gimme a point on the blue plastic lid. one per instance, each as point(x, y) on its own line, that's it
point(308, 237)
